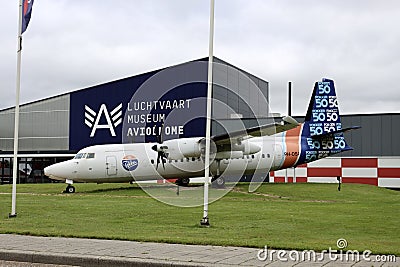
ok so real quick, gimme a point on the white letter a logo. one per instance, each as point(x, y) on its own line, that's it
point(116, 118)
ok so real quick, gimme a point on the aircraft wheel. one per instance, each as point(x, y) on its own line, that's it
point(70, 189)
point(184, 181)
point(219, 182)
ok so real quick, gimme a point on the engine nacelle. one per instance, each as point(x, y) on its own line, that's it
point(246, 147)
point(183, 148)
point(229, 155)
point(191, 147)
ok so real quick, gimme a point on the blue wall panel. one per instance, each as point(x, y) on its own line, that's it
point(97, 116)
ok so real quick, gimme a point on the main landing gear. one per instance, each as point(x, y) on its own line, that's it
point(183, 182)
point(218, 182)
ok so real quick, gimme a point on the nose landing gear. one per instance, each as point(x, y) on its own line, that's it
point(70, 188)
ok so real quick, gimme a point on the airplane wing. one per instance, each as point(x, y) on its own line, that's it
point(286, 124)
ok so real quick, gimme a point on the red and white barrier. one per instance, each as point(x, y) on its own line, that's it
point(379, 171)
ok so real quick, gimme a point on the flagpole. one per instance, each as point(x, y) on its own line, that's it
point(205, 221)
point(16, 116)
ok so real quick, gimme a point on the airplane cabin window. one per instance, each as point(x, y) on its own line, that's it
point(152, 161)
point(90, 155)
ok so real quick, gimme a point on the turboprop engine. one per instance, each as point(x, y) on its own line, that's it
point(183, 148)
point(246, 147)
point(193, 147)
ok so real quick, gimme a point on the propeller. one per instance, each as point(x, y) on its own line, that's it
point(160, 148)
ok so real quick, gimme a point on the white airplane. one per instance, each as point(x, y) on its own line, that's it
point(264, 148)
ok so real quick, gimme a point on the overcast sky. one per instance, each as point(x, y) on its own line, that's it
point(73, 44)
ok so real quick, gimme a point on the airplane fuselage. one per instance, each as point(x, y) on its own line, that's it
point(138, 162)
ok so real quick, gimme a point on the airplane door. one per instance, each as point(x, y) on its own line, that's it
point(111, 165)
point(278, 155)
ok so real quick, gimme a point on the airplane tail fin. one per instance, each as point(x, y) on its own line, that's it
point(323, 111)
point(322, 129)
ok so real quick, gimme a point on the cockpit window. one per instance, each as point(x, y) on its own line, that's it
point(80, 155)
point(90, 156)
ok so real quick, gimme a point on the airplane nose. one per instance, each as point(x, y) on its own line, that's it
point(51, 171)
point(48, 170)
point(60, 171)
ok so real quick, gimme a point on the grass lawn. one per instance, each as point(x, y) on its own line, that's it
point(290, 216)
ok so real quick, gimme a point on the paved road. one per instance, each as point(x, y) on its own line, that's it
point(16, 250)
point(28, 264)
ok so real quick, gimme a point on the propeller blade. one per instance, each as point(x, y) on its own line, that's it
point(158, 137)
point(158, 160)
point(161, 133)
point(161, 155)
point(162, 160)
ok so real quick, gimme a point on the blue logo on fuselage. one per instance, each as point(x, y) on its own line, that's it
point(130, 163)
